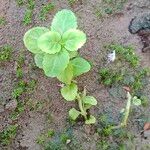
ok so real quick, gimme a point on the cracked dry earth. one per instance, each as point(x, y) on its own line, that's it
point(100, 32)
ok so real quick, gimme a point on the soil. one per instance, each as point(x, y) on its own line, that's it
point(100, 32)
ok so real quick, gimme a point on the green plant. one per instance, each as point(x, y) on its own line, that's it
point(30, 4)
point(2, 21)
point(130, 101)
point(5, 53)
point(56, 53)
point(109, 76)
point(45, 10)
point(8, 134)
point(27, 17)
point(71, 2)
point(20, 2)
point(126, 52)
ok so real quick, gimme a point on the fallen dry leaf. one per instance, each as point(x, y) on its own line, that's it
point(147, 126)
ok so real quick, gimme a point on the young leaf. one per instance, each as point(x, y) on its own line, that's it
point(74, 39)
point(49, 42)
point(91, 120)
point(136, 101)
point(38, 58)
point(69, 92)
point(67, 75)
point(63, 21)
point(80, 66)
point(73, 113)
point(31, 36)
point(54, 64)
point(89, 100)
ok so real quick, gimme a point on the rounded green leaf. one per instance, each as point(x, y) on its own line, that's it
point(73, 113)
point(91, 120)
point(74, 39)
point(49, 42)
point(67, 75)
point(89, 100)
point(54, 64)
point(80, 66)
point(69, 92)
point(38, 58)
point(136, 101)
point(31, 36)
point(63, 21)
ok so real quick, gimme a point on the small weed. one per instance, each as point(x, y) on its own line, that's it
point(5, 53)
point(71, 2)
point(45, 10)
point(127, 53)
point(20, 2)
point(8, 134)
point(43, 137)
point(19, 73)
point(109, 77)
point(30, 4)
point(27, 17)
point(2, 21)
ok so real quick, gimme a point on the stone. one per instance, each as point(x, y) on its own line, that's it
point(139, 23)
point(11, 105)
point(1, 108)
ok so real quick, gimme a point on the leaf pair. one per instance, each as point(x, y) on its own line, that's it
point(76, 67)
point(74, 114)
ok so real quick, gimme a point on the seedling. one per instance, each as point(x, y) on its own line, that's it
point(20, 2)
point(5, 53)
point(27, 17)
point(130, 101)
point(55, 51)
point(2, 21)
point(45, 10)
point(8, 134)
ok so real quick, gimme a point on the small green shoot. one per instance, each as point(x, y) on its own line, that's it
point(2, 21)
point(8, 134)
point(27, 17)
point(30, 4)
point(45, 10)
point(126, 52)
point(130, 101)
point(20, 2)
point(5, 53)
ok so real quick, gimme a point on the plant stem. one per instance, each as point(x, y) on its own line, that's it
point(127, 110)
point(83, 112)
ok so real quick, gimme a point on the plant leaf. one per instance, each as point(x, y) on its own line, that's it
point(136, 101)
point(87, 106)
point(89, 100)
point(73, 113)
point(91, 120)
point(73, 54)
point(31, 36)
point(49, 42)
point(38, 58)
point(69, 92)
point(74, 39)
point(63, 21)
point(67, 75)
point(80, 66)
point(54, 64)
